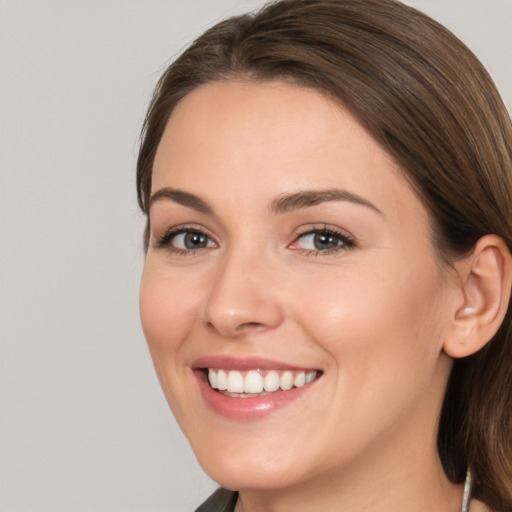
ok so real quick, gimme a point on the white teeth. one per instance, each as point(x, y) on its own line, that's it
point(212, 377)
point(271, 381)
point(235, 382)
point(300, 380)
point(310, 376)
point(222, 380)
point(286, 381)
point(254, 382)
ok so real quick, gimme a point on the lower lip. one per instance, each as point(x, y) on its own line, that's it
point(249, 408)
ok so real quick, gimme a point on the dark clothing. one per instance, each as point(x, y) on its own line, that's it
point(220, 501)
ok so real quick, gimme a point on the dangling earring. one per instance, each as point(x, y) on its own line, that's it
point(467, 491)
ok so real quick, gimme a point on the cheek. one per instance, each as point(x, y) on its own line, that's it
point(393, 315)
point(167, 310)
point(382, 333)
point(168, 313)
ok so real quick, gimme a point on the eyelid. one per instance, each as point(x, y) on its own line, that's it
point(163, 241)
point(348, 241)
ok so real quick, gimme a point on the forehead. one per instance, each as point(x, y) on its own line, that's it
point(269, 138)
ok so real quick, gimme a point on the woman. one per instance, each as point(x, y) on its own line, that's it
point(328, 185)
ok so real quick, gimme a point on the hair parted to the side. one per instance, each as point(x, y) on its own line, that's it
point(430, 103)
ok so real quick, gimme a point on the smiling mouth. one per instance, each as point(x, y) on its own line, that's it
point(255, 383)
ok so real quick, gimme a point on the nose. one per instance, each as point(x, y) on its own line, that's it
point(243, 297)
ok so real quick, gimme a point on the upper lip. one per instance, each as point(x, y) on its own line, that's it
point(244, 364)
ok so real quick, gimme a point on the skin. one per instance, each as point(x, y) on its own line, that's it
point(373, 317)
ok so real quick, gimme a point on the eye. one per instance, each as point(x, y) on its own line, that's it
point(324, 240)
point(190, 240)
point(184, 240)
point(319, 241)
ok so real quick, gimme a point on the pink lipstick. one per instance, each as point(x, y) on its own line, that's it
point(250, 388)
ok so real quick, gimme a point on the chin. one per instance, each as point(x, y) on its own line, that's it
point(238, 471)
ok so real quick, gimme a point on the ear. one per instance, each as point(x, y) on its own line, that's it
point(486, 281)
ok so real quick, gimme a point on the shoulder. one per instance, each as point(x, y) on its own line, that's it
point(221, 500)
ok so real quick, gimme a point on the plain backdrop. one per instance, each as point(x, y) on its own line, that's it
point(84, 426)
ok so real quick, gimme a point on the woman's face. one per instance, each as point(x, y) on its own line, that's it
point(287, 251)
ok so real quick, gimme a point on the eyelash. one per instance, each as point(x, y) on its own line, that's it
point(165, 241)
point(346, 242)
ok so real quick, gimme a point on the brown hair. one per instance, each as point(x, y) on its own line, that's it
point(429, 102)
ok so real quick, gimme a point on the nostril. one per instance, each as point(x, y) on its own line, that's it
point(246, 326)
point(233, 316)
point(250, 326)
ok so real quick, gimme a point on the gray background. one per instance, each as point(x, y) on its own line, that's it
point(83, 423)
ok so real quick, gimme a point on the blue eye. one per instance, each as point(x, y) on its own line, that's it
point(323, 240)
point(184, 240)
point(190, 240)
point(320, 241)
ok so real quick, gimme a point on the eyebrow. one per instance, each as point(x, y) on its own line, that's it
point(282, 204)
point(308, 198)
point(180, 197)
